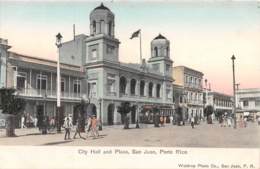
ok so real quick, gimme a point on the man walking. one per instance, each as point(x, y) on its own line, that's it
point(192, 122)
point(78, 129)
point(67, 126)
point(94, 126)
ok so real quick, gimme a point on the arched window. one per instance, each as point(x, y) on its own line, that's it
point(158, 90)
point(142, 84)
point(122, 85)
point(133, 84)
point(155, 51)
point(94, 27)
point(110, 28)
point(150, 89)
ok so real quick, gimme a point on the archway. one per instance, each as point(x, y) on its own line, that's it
point(110, 114)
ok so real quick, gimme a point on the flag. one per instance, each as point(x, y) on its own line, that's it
point(135, 34)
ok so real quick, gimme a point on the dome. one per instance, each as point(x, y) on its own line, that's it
point(159, 37)
point(102, 7)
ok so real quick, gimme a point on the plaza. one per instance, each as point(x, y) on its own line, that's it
point(204, 135)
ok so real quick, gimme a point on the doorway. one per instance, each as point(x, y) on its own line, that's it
point(110, 114)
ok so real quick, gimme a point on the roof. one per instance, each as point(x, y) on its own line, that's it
point(102, 7)
point(159, 37)
point(188, 68)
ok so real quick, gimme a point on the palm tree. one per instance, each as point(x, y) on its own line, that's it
point(12, 106)
point(123, 110)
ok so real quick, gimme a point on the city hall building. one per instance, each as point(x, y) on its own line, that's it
point(91, 71)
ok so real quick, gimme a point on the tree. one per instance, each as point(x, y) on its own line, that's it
point(123, 110)
point(11, 106)
point(80, 114)
point(208, 111)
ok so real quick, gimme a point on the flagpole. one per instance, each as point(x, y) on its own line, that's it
point(140, 47)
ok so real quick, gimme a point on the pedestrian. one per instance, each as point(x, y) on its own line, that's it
point(192, 122)
point(171, 119)
point(94, 126)
point(78, 129)
point(23, 122)
point(161, 121)
point(258, 119)
point(45, 125)
point(35, 121)
point(164, 120)
point(67, 125)
point(229, 121)
point(241, 122)
point(245, 122)
point(88, 126)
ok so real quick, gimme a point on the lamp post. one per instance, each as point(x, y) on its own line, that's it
point(58, 44)
point(234, 91)
point(100, 116)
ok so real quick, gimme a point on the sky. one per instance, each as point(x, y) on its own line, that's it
point(203, 34)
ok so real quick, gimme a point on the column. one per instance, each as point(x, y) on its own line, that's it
point(30, 89)
point(51, 84)
point(137, 88)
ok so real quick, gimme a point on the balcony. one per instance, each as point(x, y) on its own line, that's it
point(47, 93)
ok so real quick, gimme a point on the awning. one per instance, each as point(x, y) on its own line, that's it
point(246, 113)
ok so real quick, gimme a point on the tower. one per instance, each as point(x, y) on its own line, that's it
point(160, 56)
point(102, 45)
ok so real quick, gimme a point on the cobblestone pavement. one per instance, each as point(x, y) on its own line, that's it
point(204, 135)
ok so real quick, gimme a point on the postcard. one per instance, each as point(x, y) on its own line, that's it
point(129, 84)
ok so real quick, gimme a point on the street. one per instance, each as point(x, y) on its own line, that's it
point(204, 135)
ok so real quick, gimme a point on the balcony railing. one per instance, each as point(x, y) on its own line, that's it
point(47, 93)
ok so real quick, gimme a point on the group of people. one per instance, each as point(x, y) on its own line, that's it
point(91, 127)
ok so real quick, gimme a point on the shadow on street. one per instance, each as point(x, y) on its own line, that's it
point(55, 143)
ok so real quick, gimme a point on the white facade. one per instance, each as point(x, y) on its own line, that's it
point(249, 99)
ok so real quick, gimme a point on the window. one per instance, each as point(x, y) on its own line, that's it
point(110, 28)
point(76, 86)
point(110, 49)
point(186, 79)
point(111, 83)
point(94, 53)
point(122, 85)
point(158, 90)
point(62, 85)
point(92, 89)
point(191, 80)
point(168, 67)
point(257, 103)
point(142, 84)
point(94, 27)
point(181, 99)
point(133, 84)
point(21, 80)
point(245, 103)
point(150, 89)
point(155, 51)
point(41, 82)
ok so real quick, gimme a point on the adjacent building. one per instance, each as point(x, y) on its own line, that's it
point(191, 82)
point(91, 71)
point(248, 102)
point(221, 103)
